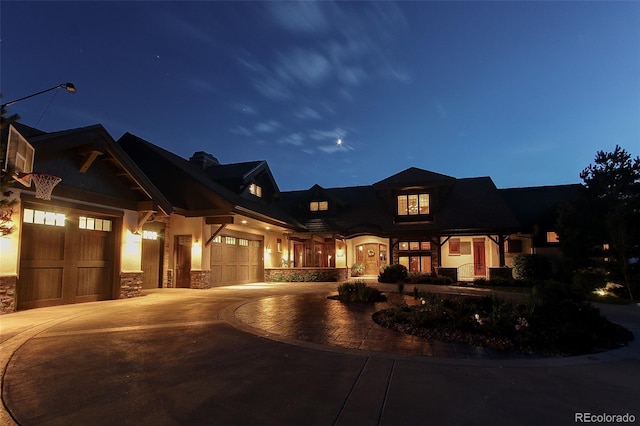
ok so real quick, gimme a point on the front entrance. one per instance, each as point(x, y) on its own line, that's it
point(372, 256)
point(479, 263)
point(183, 261)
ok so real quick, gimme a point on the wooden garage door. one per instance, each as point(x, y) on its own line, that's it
point(236, 260)
point(64, 259)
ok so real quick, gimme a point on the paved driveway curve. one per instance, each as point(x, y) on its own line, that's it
point(200, 357)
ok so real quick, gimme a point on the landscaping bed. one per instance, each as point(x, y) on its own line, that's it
point(556, 328)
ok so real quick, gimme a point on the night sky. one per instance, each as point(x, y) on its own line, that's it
point(524, 92)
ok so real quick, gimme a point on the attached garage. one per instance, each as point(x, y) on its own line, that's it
point(66, 257)
point(236, 259)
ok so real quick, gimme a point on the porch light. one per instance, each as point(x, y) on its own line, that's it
point(71, 88)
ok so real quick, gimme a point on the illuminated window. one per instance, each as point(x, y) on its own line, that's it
point(415, 245)
point(416, 263)
point(94, 224)
point(315, 206)
point(217, 239)
point(255, 190)
point(40, 217)
point(242, 242)
point(149, 235)
point(552, 237)
point(230, 240)
point(413, 204)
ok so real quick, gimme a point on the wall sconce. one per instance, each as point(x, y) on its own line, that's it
point(268, 250)
point(340, 253)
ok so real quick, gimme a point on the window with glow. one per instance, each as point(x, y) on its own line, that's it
point(552, 237)
point(415, 245)
point(413, 204)
point(40, 217)
point(94, 224)
point(149, 235)
point(416, 263)
point(255, 190)
point(217, 239)
point(242, 242)
point(315, 206)
point(230, 240)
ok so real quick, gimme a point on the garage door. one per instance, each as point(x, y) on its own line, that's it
point(64, 259)
point(236, 260)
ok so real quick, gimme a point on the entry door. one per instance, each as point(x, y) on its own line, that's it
point(479, 264)
point(183, 261)
point(371, 264)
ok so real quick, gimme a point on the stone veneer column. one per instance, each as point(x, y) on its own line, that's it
point(130, 284)
point(201, 279)
point(8, 294)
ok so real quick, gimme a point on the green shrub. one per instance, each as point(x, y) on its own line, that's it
point(358, 291)
point(532, 266)
point(312, 275)
point(587, 280)
point(394, 274)
point(357, 269)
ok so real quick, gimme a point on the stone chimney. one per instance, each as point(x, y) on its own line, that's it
point(204, 159)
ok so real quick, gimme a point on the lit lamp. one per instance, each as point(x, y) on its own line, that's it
point(69, 86)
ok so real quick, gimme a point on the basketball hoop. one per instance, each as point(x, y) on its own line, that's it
point(44, 184)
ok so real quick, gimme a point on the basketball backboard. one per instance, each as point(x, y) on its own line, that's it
point(20, 155)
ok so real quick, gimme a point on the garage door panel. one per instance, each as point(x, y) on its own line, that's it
point(42, 244)
point(216, 274)
point(91, 281)
point(216, 253)
point(40, 284)
point(93, 246)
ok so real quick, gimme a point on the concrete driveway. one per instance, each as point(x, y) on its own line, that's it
point(256, 354)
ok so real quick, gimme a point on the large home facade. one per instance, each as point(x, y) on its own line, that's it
point(130, 215)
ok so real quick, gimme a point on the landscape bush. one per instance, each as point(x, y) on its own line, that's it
point(532, 266)
point(296, 275)
point(358, 291)
point(394, 274)
point(562, 327)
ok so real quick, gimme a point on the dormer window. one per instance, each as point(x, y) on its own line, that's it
point(413, 204)
point(315, 206)
point(255, 190)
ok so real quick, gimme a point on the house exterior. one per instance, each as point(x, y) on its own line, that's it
point(85, 243)
point(134, 216)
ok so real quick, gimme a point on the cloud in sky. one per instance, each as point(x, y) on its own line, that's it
point(307, 113)
point(267, 126)
point(348, 49)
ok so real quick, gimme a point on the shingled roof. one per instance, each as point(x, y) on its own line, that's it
point(538, 205)
point(468, 206)
point(192, 189)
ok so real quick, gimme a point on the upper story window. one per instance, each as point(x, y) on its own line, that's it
point(413, 204)
point(552, 237)
point(315, 206)
point(255, 190)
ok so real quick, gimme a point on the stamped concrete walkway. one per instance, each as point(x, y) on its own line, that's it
point(280, 354)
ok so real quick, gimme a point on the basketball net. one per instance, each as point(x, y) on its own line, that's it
point(44, 184)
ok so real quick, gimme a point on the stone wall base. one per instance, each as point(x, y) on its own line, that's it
point(130, 284)
point(8, 294)
point(200, 279)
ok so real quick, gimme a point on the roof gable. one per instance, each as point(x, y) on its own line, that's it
point(93, 167)
point(413, 177)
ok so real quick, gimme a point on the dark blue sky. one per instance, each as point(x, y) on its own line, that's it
point(525, 92)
